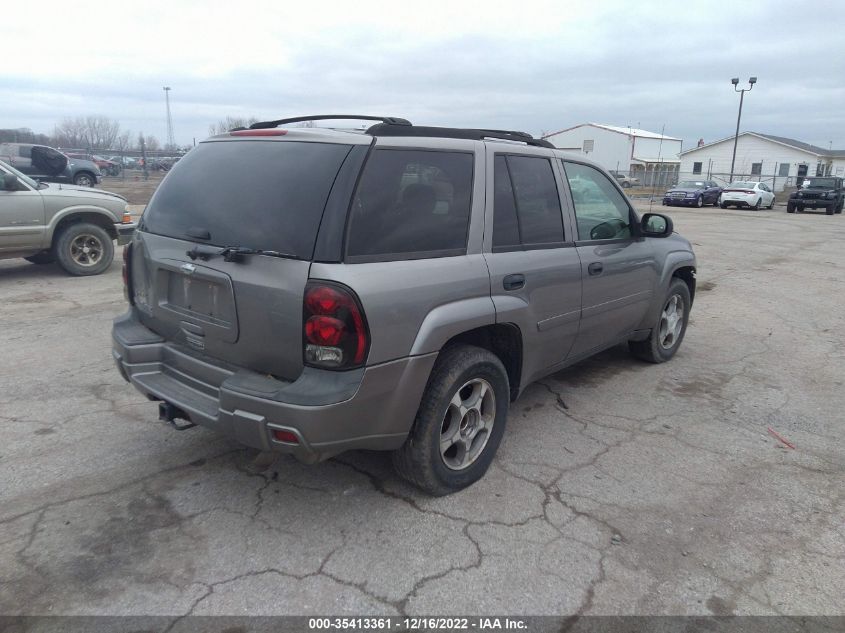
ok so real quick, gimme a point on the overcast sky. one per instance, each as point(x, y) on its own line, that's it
point(526, 65)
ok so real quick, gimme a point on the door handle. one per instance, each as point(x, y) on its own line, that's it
point(595, 268)
point(513, 282)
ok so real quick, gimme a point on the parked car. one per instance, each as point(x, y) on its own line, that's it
point(626, 181)
point(357, 301)
point(693, 193)
point(48, 164)
point(106, 166)
point(74, 226)
point(818, 192)
point(750, 194)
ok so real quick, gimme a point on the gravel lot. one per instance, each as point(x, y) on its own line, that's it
point(653, 490)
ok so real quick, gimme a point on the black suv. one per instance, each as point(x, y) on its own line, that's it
point(818, 192)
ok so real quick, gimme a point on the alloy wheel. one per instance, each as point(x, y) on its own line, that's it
point(467, 424)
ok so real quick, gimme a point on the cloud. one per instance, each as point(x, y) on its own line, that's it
point(530, 65)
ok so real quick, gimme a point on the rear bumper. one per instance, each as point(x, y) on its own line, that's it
point(329, 412)
point(125, 232)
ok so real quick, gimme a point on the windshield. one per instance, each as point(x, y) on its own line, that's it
point(691, 184)
point(20, 176)
point(263, 195)
point(742, 184)
point(819, 183)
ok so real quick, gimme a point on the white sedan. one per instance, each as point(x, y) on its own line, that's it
point(750, 194)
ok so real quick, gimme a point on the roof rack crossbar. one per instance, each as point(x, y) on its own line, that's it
point(466, 133)
point(388, 120)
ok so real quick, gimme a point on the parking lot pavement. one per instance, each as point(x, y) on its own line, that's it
point(620, 487)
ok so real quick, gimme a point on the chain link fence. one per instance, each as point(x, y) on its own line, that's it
point(126, 164)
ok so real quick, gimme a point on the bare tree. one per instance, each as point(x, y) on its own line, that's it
point(101, 132)
point(70, 132)
point(123, 142)
point(230, 122)
point(91, 132)
point(152, 143)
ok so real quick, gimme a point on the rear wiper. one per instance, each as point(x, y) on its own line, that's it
point(233, 253)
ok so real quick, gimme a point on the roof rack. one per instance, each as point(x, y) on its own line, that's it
point(389, 120)
point(395, 126)
point(386, 129)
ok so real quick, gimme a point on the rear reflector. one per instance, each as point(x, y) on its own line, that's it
point(285, 436)
point(272, 132)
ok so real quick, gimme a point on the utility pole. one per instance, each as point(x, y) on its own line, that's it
point(741, 91)
point(170, 143)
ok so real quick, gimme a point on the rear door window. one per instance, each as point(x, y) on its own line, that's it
point(411, 204)
point(526, 204)
point(265, 195)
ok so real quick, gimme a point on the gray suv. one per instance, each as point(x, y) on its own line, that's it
point(312, 291)
point(50, 165)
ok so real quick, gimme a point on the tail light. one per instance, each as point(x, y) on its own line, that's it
point(335, 332)
point(125, 272)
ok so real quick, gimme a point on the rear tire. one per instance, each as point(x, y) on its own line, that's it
point(465, 402)
point(839, 207)
point(44, 257)
point(723, 205)
point(757, 204)
point(668, 331)
point(84, 249)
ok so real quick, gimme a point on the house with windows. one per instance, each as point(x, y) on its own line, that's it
point(776, 160)
point(649, 156)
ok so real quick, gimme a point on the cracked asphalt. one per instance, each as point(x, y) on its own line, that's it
point(619, 488)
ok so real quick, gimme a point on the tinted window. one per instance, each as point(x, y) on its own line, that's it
point(537, 200)
point(600, 210)
point(265, 195)
point(505, 225)
point(411, 202)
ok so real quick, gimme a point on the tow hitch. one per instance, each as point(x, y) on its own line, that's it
point(170, 414)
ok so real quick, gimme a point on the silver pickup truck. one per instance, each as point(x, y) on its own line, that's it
point(73, 226)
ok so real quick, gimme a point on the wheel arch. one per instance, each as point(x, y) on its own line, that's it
point(504, 340)
point(75, 215)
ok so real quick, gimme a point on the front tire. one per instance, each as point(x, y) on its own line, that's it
point(699, 202)
point(84, 179)
point(723, 205)
point(84, 249)
point(460, 422)
point(669, 330)
point(771, 204)
point(790, 208)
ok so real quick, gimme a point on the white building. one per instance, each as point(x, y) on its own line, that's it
point(776, 160)
point(649, 156)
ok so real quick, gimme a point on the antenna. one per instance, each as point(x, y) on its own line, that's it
point(170, 142)
point(659, 163)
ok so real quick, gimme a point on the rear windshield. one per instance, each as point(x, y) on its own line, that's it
point(265, 195)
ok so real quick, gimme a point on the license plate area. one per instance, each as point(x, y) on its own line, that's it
point(198, 295)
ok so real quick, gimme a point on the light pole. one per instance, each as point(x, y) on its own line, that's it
point(741, 91)
point(170, 142)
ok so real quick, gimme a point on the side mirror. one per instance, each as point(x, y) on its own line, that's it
point(656, 225)
point(10, 182)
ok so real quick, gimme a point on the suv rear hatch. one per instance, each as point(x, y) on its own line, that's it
point(253, 194)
